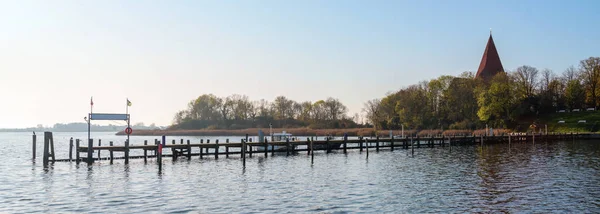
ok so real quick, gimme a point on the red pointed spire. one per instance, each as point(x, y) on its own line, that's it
point(490, 62)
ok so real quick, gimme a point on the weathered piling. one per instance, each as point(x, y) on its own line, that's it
point(111, 153)
point(392, 143)
point(201, 142)
point(227, 148)
point(99, 144)
point(90, 151)
point(127, 151)
point(216, 149)
point(266, 147)
point(377, 144)
point(77, 151)
point(48, 148)
point(189, 150)
point(312, 153)
point(244, 153)
point(145, 152)
point(71, 149)
point(33, 146)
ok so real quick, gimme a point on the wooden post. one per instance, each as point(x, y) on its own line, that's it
point(201, 149)
point(266, 147)
point(111, 153)
point(227, 148)
point(145, 152)
point(181, 141)
point(392, 143)
point(244, 152)
point(377, 144)
point(312, 153)
point(250, 148)
point(360, 144)
point(207, 142)
point(508, 139)
point(34, 146)
point(77, 151)
point(216, 149)
point(48, 148)
point(189, 148)
point(127, 151)
point(99, 144)
point(90, 151)
point(159, 153)
point(70, 150)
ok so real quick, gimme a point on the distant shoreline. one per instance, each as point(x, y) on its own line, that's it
point(252, 132)
point(308, 132)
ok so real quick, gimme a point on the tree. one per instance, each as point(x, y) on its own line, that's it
point(525, 80)
point(372, 112)
point(574, 94)
point(496, 103)
point(335, 109)
point(590, 70)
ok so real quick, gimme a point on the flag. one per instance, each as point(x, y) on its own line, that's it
point(128, 102)
point(91, 101)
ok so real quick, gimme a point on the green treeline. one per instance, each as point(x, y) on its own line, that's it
point(509, 100)
point(238, 112)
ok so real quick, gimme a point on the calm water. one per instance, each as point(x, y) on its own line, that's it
point(545, 177)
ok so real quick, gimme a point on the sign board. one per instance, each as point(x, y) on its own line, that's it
point(103, 116)
point(128, 130)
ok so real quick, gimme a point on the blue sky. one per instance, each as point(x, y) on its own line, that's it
point(162, 54)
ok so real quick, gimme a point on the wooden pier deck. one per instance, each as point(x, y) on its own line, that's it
point(244, 148)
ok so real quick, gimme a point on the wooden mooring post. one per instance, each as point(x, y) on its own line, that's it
point(70, 149)
point(111, 153)
point(392, 143)
point(189, 150)
point(90, 151)
point(127, 151)
point(266, 147)
point(312, 153)
point(99, 144)
point(145, 152)
point(77, 151)
point(201, 149)
point(216, 149)
point(34, 138)
point(48, 148)
point(227, 148)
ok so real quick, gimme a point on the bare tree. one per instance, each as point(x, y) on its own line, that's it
point(371, 109)
point(547, 77)
point(590, 70)
point(526, 80)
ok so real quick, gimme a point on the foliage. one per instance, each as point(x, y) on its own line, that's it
point(507, 101)
point(238, 112)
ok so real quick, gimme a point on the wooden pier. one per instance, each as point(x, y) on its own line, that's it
point(246, 148)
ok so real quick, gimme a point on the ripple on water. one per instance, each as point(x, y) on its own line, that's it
point(552, 177)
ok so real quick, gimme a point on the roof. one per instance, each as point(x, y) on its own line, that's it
point(490, 62)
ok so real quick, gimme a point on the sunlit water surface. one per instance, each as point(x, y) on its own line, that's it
point(541, 177)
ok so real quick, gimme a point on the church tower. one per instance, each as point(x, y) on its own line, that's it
point(490, 62)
